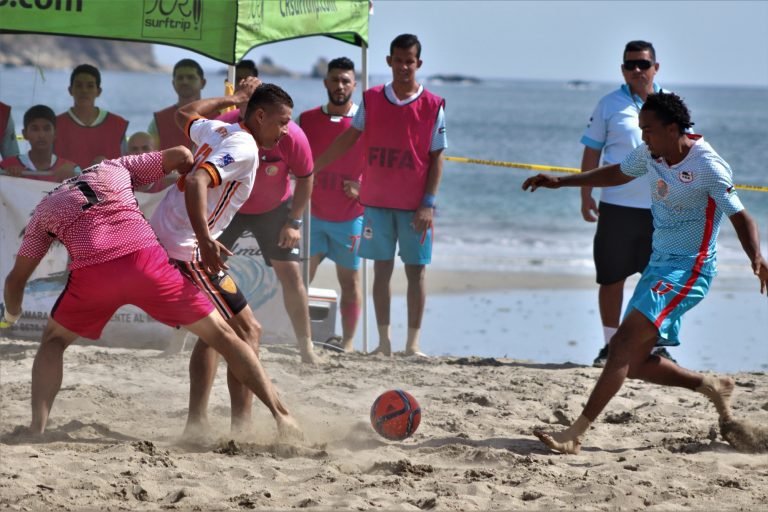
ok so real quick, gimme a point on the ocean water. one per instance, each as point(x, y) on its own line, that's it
point(485, 221)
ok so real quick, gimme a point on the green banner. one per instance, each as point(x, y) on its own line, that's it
point(223, 30)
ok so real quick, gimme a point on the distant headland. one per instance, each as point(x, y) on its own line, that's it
point(60, 52)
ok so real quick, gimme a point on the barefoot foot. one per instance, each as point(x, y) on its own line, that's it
point(288, 429)
point(719, 391)
point(197, 432)
point(382, 350)
point(560, 441)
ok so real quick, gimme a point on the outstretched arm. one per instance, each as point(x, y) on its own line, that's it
point(607, 176)
point(746, 229)
point(13, 293)
point(338, 147)
point(207, 106)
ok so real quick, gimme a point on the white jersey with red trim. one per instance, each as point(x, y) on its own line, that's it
point(689, 200)
point(228, 153)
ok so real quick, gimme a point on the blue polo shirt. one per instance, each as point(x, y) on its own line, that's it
point(614, 129)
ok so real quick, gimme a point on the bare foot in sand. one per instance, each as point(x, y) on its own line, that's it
point(567, 441)
point(382, 350)
point(307, 352)
point(309, 357)
point(241, 427)
point(288, 429)
point(26, 435)
point(197, 432)
point(562, 442)
point(719, 391)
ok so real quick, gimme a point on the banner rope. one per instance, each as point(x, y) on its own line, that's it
point(552, 168)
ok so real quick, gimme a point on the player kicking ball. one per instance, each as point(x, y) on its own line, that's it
point(117, 260)
point(692, 189)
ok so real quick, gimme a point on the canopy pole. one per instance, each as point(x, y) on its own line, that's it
point(231, 74)
point(364, 80)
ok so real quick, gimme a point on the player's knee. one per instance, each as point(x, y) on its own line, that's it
point(250, 332)
point(619, 350)
point(415, 272)
point(54, 342)
point(348, 286)
point(634, 371)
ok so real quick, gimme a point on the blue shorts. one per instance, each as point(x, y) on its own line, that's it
point(338, 241)
point(383, 228)
point(664, 294)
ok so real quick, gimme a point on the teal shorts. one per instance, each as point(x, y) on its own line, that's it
point(664, 294)
point(385, 228)
point(338, 241)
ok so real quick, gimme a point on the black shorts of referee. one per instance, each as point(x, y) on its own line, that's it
point(623, 242)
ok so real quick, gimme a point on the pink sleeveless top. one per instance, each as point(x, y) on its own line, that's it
point(329, 202)
point(82, 144)
point(397, 142)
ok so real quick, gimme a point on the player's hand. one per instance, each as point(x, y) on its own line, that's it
point(423, 219)
point(211, 252)
point(7, 319)
point(352, 189)
point(760, 268)
point(245, 89)
point(541, 180)
point(14, 171)
point(289, 237)
point(589, 210)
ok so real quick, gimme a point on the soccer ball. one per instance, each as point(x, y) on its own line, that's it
point(395, 414)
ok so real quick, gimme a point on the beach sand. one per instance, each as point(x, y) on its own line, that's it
point(114, 438)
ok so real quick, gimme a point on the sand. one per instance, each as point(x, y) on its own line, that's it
point(114, 439)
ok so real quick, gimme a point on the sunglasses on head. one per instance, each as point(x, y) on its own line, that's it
point(642, 64)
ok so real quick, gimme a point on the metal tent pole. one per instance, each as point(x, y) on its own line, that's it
point(364, 78)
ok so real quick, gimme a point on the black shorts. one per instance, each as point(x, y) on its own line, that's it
point(623, 242)
point(265, 227)
point(220, 289)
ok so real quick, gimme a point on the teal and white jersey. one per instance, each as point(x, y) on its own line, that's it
point(688, 201)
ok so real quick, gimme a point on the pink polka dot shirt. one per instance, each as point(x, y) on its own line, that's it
point(96, 215)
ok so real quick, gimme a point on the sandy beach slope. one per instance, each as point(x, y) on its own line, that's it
point(114, 444)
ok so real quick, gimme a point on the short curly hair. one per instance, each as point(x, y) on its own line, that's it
point(669, 108)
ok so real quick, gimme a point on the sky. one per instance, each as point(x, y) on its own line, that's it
point(697, 42)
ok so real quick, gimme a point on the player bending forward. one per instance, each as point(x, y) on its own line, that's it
point(117, 260)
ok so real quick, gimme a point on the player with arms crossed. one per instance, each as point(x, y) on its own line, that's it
point(692, 189)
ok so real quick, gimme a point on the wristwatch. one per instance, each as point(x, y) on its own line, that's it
point(295, 223)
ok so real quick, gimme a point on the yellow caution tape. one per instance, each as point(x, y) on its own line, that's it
point(552, 168)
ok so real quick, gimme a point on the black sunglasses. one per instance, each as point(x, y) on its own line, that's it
point(630, 65)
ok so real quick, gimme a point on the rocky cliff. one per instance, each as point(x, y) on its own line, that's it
point(61, 52)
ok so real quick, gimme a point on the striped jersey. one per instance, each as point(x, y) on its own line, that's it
point(688, 201)
point(228, 153)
